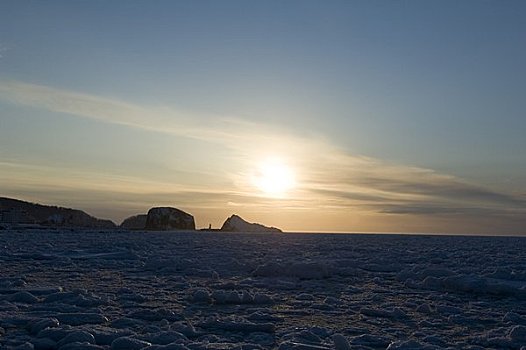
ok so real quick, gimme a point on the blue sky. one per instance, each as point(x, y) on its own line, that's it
point(162, 100)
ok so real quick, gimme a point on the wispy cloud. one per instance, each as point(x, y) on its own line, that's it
point(162, 119)
point(328, 176)
point(404, 190)
point(94, 107)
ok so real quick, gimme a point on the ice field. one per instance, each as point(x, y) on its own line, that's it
point(73, 289)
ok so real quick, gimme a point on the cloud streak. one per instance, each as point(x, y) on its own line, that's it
point(160, 119)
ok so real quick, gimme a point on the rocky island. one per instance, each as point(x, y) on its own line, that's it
point(236, 224)
point(135, 222)
point(167, 218)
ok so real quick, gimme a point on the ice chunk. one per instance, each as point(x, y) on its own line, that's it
point(260, 298)
point(518, 334)
point(107, 336)
point(23, 297)
point(424, 308)
point(44, 344)
point(305, 296)
point(25, 346)
point(40, 324)
point(77, 319)
point(53, 333)
point(165, 337)
point(128, 343)
point(340, 342)
point(514, 318)
point(201, 296)
point(184, 328)
point(77, 336)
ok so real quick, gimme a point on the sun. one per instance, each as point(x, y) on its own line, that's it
point(274, 178)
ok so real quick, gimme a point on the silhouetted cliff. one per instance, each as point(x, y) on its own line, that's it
point(236, 224)
point(14, 211)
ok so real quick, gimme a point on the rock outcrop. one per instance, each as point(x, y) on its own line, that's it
point(237, 224)
point(14, 211)
point(136, 222)
point(167, 218)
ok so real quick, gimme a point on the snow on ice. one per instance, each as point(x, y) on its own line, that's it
point(79, 289)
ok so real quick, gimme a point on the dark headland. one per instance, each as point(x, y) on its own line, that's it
point(15, 212)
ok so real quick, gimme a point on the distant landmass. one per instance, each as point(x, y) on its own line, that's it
point(236, 224)
point(18, 212)
point(14, 211)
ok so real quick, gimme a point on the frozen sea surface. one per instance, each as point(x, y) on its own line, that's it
point(74, 289)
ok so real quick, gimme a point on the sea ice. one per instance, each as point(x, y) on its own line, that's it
point(85, 290)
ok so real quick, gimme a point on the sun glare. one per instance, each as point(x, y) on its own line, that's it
point(274, 178)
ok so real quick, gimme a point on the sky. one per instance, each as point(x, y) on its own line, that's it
point(323, 116)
